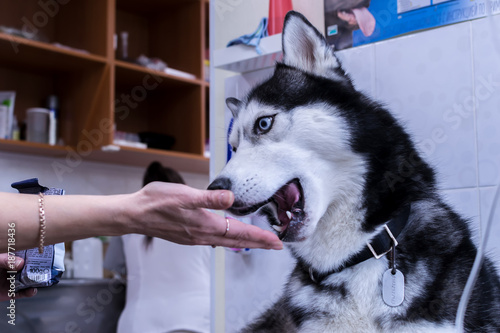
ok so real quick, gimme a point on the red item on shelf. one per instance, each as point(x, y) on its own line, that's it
point(277, 13)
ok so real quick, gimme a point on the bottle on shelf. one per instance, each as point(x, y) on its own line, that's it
point(53, 106)
point(16, 131)
point(124, 45)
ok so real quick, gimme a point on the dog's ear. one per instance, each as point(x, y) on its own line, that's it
point(234, 105)
point(305, 48)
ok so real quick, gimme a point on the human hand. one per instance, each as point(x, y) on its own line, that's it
point(178, 213)
point(5, 284)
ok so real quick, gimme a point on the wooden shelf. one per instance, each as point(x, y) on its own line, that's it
point(125, 155)
point(32, 148)
point(91, 86)
point(170, 30)
point(26, 54)
point(130, 73)
point(143, 157)
point(77, 24)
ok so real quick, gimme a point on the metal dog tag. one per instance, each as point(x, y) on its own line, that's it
point(393, 288)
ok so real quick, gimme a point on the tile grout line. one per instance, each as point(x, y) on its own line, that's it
point(484, 187)
point(475, 113)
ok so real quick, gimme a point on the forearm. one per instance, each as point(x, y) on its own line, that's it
point(174, 212)
point(68, 218)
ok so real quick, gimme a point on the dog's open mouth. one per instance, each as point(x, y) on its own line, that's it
point(284, 210)
point(289, 202)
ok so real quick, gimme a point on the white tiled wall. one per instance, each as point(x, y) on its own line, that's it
point(444, 85)
point(486, 55)
point(423, 78)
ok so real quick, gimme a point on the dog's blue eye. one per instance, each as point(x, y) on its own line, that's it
point(264, 124)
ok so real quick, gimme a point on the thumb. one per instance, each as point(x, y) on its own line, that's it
point(213, 199)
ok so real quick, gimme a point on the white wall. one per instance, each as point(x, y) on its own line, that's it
point(444, 85)
point(87, 178)
point(234, 18)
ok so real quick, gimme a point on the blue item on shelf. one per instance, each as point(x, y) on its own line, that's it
point(254, 38)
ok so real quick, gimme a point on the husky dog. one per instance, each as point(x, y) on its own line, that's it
point(343, 185)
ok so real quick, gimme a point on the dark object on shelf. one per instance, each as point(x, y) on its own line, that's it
point(157, 140)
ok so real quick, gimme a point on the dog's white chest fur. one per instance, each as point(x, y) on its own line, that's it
point(352, 302)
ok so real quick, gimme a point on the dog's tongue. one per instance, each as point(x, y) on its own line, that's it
point(365, 20)
point(286, 198)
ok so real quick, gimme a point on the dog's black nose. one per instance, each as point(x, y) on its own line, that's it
point(220, 184)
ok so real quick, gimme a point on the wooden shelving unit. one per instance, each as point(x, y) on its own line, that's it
point(97, 88)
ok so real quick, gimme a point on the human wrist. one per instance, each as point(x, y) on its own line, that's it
point(128, 211)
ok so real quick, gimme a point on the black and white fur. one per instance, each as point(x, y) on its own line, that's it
point(357, 169)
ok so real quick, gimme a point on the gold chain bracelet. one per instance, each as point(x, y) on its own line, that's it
point(41, 208)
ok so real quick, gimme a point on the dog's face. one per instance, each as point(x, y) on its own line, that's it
point(292, 158)
point(292, 165)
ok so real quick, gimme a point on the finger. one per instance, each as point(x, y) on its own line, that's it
point(6, 264)
point(236, 243)
point(217, 199)
point(247, 236)
point(30, 292)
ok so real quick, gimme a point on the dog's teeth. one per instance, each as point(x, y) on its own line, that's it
point(278, 228)
point(289, 214)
